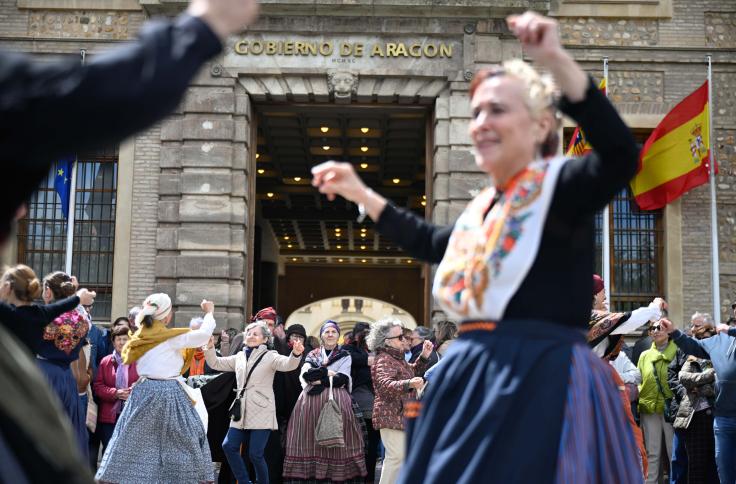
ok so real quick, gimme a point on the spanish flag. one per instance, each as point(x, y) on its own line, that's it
point(676, 156)
point(578, 144)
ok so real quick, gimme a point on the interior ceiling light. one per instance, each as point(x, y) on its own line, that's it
point(326, 147)
point(286, 237)
point(362, 234)
point(424, 203)
point(424, 197)
point(362, 247)
point(337, 229)
point(363, 149)
point(396, 181)
point(258, 155)
point(289, 246)
point(339, 246)
point(364, 130)
point(269, 195)
point(339, 260)
point(363, 229)
point(261, 171)
point(297, 178)
point(408, 261)
point(363, 260)
point(294, 259)
point(364, 165)
point(324, 129)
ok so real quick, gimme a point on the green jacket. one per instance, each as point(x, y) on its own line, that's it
point(650, 398)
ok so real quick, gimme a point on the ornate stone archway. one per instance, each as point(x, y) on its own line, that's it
point(346, 311)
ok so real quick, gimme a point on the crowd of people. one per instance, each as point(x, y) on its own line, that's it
point(515, 377)
point(134, 417)
point(123, 388)
point(677, 397)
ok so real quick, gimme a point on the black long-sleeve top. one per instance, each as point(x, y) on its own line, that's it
point(559, 283)
point(50, 110)
point(28, 322)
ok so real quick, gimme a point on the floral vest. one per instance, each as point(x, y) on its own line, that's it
point(488, 257)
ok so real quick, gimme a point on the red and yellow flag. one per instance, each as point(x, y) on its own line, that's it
point(578, 144)
point(676, 156)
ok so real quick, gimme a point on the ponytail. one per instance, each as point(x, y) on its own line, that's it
point(147, 321)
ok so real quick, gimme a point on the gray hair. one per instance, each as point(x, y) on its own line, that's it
point(133, 313)
point(379, 331)
point(706, 317)
point(423, 332)
point(264, 331)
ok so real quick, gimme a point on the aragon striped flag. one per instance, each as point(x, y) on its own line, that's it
point(578, 144)
point(676, 156)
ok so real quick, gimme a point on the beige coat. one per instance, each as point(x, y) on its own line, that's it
point(258, 406)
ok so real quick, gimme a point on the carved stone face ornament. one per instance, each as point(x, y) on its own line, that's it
point(342, 84)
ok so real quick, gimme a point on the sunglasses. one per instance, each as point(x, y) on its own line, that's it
point(654, 328)
point(399, 337)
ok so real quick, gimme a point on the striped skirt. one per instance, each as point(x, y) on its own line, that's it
point(305, 460)
point(159, 438)
point(526, 402)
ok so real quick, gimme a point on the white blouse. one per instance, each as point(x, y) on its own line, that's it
point(165, 360)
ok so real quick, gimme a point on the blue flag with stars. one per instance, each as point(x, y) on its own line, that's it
point(63, 183)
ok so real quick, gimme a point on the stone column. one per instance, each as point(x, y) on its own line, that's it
point(201, 248)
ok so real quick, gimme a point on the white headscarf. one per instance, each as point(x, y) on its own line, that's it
point(158, 306)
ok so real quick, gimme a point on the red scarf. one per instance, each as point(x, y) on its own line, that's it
point(197, 366)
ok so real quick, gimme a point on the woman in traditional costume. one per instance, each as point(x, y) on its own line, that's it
point(307, 460)
point(519, 385)
point(160, 436)
point(55, 332)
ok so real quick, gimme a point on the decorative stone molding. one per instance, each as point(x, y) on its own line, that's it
point(376, 8)
point(78, 24)
point(129, 5)
point(343, 85)
point(612, 8)
point(383, 90)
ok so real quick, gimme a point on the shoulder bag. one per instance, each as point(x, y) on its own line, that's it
point(329, 430)
point(234, 411)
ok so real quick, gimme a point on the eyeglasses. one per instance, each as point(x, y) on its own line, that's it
point(399, 337)
point(654, 328)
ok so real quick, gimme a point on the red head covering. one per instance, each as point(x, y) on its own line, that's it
point(598, 285)
point(265, 313)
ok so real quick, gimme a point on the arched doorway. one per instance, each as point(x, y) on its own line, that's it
point(346, 311)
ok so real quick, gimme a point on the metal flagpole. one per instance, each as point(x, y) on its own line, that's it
point(72, 203)
point(70, 219)
point(606, 236)
point(713, 215)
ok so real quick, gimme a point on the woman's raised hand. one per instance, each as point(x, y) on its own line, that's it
point(427, 348)
point(540, 40)
point(538, 35)
point(297, 348)
point(338, 178)
point(86, 298)
point(208, 307)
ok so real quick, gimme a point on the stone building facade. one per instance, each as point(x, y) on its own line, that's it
point(185, 204)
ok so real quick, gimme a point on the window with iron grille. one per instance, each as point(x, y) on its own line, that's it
point(42, 233)
point(636, 252)
point(636, 246)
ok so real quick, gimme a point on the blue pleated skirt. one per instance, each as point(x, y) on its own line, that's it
point(62, 380)
point(526, 402)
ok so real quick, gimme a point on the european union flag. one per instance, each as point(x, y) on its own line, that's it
point(63, 183)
